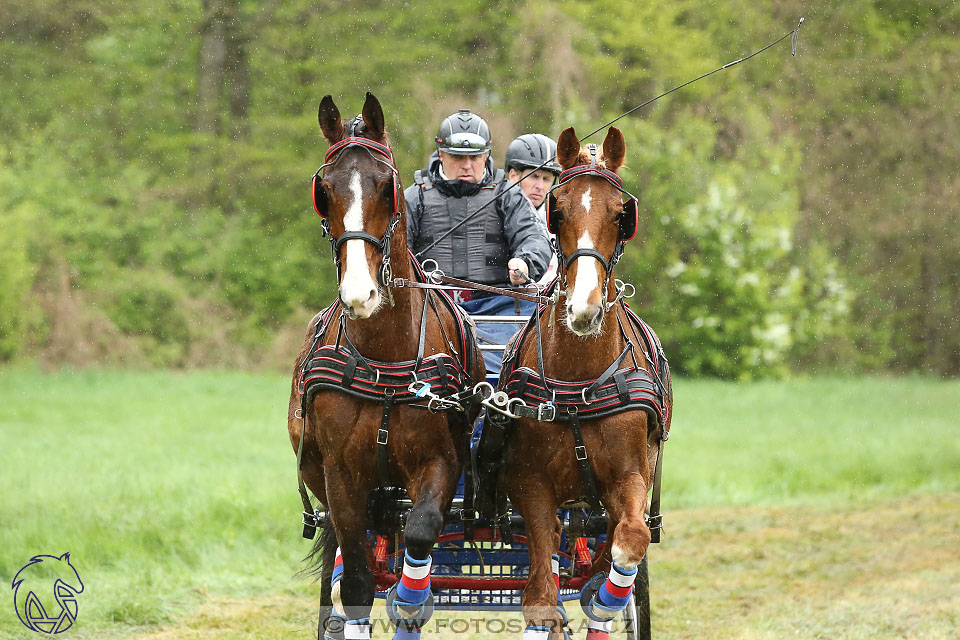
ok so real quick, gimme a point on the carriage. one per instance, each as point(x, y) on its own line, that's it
point(422, 540)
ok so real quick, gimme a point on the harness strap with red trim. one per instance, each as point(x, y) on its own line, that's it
point(441, 378)
point(619, 388)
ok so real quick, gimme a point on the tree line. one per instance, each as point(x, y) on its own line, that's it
point(798, 213)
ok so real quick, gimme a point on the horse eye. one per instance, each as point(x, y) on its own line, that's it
point(386, 190)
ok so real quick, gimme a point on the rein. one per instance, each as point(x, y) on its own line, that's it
point(437, 279)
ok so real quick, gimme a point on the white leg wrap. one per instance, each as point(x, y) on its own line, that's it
point(357, 629)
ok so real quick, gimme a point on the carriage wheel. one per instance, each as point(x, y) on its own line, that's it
point(637, 614)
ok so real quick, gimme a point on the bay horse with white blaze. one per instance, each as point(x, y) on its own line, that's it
point(360, 428)
point(601, 365)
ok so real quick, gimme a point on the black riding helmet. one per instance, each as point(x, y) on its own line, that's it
point(531, 150)
point(463, 134)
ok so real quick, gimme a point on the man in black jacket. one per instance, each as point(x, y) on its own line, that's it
point(502, 245)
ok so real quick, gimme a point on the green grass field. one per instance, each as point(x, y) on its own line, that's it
point(175, 494)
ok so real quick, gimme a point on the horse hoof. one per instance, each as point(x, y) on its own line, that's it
point(408, 615)
point(332, 628)
point(589, 602)
point(590, 589)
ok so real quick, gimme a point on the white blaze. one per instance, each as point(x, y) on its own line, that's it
point(586, 200)
point(587, 276)
point(357, 283)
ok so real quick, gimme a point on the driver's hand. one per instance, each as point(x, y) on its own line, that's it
point(519, 272)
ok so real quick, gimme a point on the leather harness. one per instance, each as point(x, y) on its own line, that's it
point(623, 386)
point(440, 382)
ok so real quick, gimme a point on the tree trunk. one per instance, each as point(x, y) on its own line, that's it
point(210, 67)
point(238, 78)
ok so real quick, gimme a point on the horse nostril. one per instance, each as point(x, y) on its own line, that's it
point(373, 294)
point(569, 309)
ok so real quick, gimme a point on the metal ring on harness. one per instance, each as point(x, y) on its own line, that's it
point(583, 394)
point(423, 265)
point(483, 386)
point(622, 288)
point(510, 403)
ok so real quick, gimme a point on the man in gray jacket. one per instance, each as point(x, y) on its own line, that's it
point(502, 245)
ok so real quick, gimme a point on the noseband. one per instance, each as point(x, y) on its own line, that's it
point(382, 244)
point(592, 169)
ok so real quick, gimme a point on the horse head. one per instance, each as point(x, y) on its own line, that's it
point(586, 214)
point(358, 192)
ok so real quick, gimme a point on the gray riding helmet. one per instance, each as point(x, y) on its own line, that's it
point(464, 134)
point(531, 150)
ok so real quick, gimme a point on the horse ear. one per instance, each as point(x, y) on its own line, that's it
point(568, 148)
point(373, 117)
point(330, 123)
point(614, 149)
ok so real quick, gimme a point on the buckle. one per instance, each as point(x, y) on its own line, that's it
point(655, 523)
point(547, 412)
point(468, 514)
point(583, 394)
point(581, 452)
point(382, 435)
point(310, 523)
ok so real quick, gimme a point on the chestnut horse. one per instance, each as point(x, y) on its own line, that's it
point(542, 469)
point(340, 434)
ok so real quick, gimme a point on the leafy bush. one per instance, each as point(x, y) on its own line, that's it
point(744, 298)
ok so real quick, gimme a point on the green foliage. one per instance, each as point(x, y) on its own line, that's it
point(166, 487)
point(130, 227)
point(736, 283)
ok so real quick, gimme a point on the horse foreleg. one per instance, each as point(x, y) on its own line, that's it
point(538, 506)
point(354, 590)
point(607, 595)
point(410, 601)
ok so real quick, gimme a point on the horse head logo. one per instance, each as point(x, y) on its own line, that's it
point(45, 584)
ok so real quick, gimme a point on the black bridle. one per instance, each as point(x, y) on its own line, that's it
point(382, 244)
point(627, 220)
